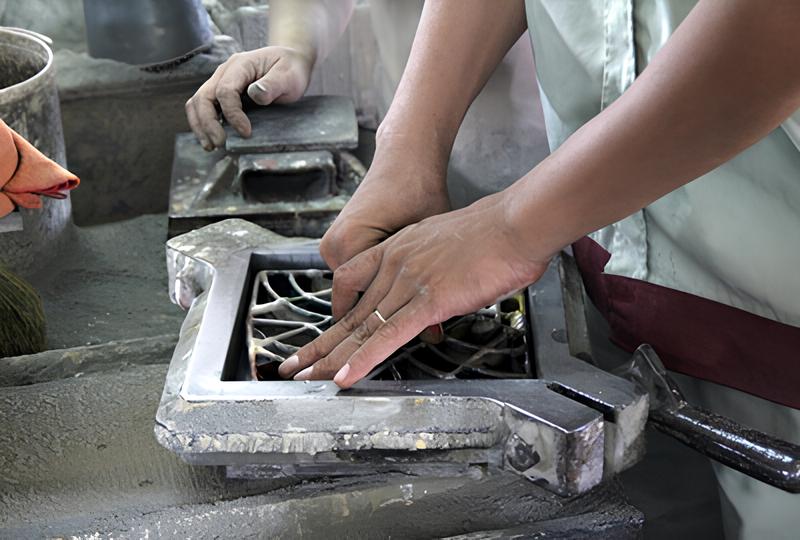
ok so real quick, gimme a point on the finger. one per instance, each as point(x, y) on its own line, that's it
point(194, 124)
point(268, 88)
point(354, 277)
point(313, 351)
point(375, 307)
point(327, 366)
point(398, 330)
point(373, 315)
point(323, 345)
point(341, 243)
point(228, 95)
point(204, 104)
point(208, 119)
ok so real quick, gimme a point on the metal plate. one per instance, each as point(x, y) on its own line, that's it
point(312, 123)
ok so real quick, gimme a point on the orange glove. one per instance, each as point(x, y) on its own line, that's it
point(26, 173)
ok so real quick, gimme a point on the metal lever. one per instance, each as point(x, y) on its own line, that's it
point(754, 453)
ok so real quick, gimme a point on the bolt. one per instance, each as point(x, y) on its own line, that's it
point(521, 455)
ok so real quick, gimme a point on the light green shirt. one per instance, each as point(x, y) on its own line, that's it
point(733, 235)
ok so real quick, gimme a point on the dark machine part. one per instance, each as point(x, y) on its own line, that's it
point(754, 453)
point(293, 175)
point(422, 408)
point(152, 34)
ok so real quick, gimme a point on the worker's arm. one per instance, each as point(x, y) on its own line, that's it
point(727, 77)
point(724, 80)
point(458, 45)
point(301, 32)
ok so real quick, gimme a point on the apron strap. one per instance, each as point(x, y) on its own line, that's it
point(693, 335)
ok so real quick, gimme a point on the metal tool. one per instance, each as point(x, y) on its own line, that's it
point(754, 453)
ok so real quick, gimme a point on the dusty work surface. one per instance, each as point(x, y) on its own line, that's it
point(110, 283)
point(79, 458)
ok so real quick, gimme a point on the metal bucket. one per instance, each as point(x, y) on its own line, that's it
point(146, 32)
point(29, 105)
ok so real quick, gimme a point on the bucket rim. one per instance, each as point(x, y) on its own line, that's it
point(9, 91)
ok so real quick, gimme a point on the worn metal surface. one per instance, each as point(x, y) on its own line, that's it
point(29, 105)
point(752, 452)
point(534, 427)
point(273, 178)
point(146, 32)
point(623, 406)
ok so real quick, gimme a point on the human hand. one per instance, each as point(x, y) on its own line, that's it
point(400, 188)
point(270, 74)
point(447, 265)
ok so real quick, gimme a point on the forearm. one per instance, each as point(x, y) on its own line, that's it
point(311, 26)
point(457, 46)
point(725, 79)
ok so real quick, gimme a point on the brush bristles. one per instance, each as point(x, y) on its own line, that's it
point(22, 322)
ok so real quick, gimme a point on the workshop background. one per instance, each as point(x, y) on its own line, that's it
point(77, 448)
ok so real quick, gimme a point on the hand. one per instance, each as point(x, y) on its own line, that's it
point(270, 74)
point(444, 266)
point(401, 188)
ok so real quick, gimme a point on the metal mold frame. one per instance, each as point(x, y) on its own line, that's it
point(566, 434)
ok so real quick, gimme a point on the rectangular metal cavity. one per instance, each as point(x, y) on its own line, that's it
point(289, 308)
point(287, 177)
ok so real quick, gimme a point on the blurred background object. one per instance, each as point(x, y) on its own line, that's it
point(147, 33)
point(29, 105)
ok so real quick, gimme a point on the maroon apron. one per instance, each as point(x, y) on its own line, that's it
point(693, 335)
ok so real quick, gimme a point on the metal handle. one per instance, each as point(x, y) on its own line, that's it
point(749, 451)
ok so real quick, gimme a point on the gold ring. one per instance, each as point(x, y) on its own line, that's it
point(378, 313)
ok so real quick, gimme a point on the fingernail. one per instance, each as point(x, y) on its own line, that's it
point(304, 375)
point(256, 88)
point(342, 375)
point(289, 366)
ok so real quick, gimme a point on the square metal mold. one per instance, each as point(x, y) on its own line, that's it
point(566, 430)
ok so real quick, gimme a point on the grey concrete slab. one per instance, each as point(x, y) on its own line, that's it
point(58, 364)
point(79, 448)
point(79, 458)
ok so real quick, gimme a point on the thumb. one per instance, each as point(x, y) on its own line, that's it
point(267, 89)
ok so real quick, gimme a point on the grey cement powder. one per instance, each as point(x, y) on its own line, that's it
point(110, 283)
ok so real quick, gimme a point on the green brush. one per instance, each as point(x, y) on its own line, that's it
point(22, 324)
